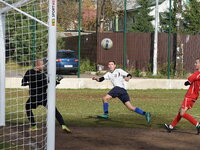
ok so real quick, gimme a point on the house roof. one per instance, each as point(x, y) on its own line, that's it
point(132, 5)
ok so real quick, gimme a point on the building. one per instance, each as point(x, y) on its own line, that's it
point(118, 24)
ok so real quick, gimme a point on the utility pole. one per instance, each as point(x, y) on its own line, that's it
point(179, 49)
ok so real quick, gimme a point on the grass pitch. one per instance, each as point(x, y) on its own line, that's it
point(80, 107)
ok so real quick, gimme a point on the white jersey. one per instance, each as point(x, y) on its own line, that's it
point(116, 77)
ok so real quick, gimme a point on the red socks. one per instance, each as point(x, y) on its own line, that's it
point(190, 119)
point(186, 116)
point(176, 120)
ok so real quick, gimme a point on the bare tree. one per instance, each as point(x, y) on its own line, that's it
point(107, 11)
point(100, 15)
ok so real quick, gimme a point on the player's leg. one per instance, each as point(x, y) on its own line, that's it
point(114, 92)
point(61, 121)
point(105, 106)
point(124, 97)
point(59, 117)
point(135, 109)
point(128, 104)
point(187, 104)
point(190, 119)
point(29, 106)
point(182, 110)
point(175, 121)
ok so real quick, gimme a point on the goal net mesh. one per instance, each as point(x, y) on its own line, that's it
point(24, 30)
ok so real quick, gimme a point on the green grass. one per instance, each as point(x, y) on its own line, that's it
point(11, 65)
point(80, 107)
point(6, 146)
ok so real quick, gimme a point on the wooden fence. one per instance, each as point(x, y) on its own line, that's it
point(139, 49)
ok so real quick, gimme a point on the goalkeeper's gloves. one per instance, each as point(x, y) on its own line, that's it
point(58, 79)
point(187, 83)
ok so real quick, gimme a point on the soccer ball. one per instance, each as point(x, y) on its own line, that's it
point(106, 43)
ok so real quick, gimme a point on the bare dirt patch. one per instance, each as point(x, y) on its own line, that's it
point(114, 138)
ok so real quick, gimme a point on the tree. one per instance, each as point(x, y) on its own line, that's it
point(177, 28)
point(26, 38)
point(67, 14)
point(164, 19)
point(192, 18)
point(107, 10)
point(89, 15)
point(142, 20)
point(102, 7)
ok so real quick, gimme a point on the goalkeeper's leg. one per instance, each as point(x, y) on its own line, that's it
point(29, 113)
point(59, 117)
point(61, 122)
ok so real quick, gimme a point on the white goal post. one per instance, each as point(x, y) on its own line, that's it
point(2, 70)
point(35, 35)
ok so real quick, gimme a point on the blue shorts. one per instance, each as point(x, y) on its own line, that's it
point(119, 92)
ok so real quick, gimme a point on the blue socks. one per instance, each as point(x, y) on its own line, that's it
point(139, 111)
point(105, 108)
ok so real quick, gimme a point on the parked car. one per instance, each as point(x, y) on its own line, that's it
point(66, 62)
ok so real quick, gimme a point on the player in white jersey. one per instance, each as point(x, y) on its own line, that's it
point(117, 77)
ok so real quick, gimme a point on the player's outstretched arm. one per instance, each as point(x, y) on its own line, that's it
point(128, 77)
point(98, 79)
point(95, 78)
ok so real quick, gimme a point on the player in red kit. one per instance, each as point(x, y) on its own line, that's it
point(190, 98)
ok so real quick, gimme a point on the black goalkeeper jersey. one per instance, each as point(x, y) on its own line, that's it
point(37, 82)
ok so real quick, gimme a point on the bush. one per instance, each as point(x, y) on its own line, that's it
point(60, 43)
point(86, 65)
point(163, 69)
point(137, 73)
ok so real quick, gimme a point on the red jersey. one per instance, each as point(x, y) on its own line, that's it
point(193, 91)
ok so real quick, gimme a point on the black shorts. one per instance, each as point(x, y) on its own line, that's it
point(35, 101)
point(119, 92)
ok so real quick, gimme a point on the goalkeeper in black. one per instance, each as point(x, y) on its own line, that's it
point(37, 81)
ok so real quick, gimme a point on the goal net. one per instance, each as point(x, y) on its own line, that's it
point(27, 34)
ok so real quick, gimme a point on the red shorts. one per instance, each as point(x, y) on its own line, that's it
point(187, 103)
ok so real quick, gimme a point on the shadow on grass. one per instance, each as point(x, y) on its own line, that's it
point(103, 119)
point(116, 122)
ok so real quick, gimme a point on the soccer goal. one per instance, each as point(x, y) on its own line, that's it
point(27, 34)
